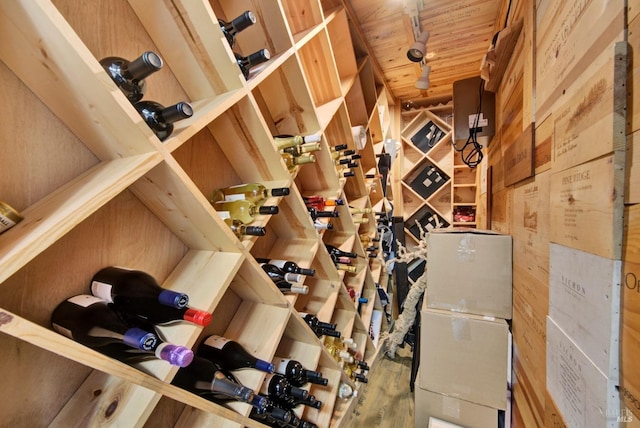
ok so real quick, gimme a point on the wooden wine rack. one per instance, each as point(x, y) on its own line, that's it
point(97, 188)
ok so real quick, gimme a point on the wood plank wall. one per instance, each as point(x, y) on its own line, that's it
point(567, 78)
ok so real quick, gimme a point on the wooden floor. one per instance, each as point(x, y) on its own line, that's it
point(387, 400)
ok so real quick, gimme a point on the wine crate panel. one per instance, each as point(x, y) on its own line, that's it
point(268, 32)
point(629, 370)
point(584, 300)
point(502, 211)
point(526, 410)
point(284, 101)
point(531, 241)
point(567, 44)
point(579, 389)
point(530, 366)
point(633, 38)
point(593, 106)
point(584, 208)
point(519, 158)
point(632, 179)
point(631, 247)
point(543, 143)
point(320, 69)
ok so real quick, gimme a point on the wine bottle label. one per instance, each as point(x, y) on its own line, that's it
point(238, 197)
point(281, 365)
point(216, 341)
point(63, 331)
point(102, 290)
point(224, 214)
point(427, 182)
point(84, 300)
point(8, 216)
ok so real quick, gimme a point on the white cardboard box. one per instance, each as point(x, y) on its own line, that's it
point(583, 394)
point(464, 356)
point(584, 301)
point(470, 271)
point(430, 406)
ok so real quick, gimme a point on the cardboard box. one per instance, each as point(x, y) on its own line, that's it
point(431, 405)
point(464, 356)
point(470, 271)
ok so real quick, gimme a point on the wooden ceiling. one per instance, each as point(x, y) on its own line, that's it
point(460, 34)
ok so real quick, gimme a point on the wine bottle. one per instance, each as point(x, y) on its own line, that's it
point(313, 322)
point(322, 226)
point(205, 378)
point(243, 210)
point(277, 274)
point(89, 320)
point(254, 192)
point(130, 289)
point(296, 373)
point(231, 355)
point(348, 174)
point(278, 388)
point(133, 293)
point(287, 287)
point(310, 401)
point(175, 355)
point(302, 149)
point(271, 415)
point(161, 119)
point(337, 252)
point(346, 391)
point(284, 141)
point(353, 210)
point(319, 202)
point(293, 161)
point(288, 266)
point(129, 75)
point(241, 230)
point(231, 29)
point(246, 63)
point(9, 217)
point(315, 214)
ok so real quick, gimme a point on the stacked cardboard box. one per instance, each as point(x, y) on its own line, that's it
point(465, 345)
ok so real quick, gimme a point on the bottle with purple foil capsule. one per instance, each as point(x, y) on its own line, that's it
point(89, 320)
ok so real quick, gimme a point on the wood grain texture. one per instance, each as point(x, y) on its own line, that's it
point(519, 157)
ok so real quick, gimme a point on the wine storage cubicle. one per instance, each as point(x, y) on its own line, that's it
point(97, 188)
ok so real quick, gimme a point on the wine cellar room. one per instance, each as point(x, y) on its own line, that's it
point(319, 213)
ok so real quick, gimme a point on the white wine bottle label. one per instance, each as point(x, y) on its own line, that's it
point(63, 331)
point(224, 214)
point(278, 263)
point(281, 365)
point(6, 223)
point(84, 300)
point(102, 290)
point(239, 197)
point(216, 342)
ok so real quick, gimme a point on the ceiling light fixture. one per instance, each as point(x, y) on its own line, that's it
point(423, 80)
point(418, 49)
